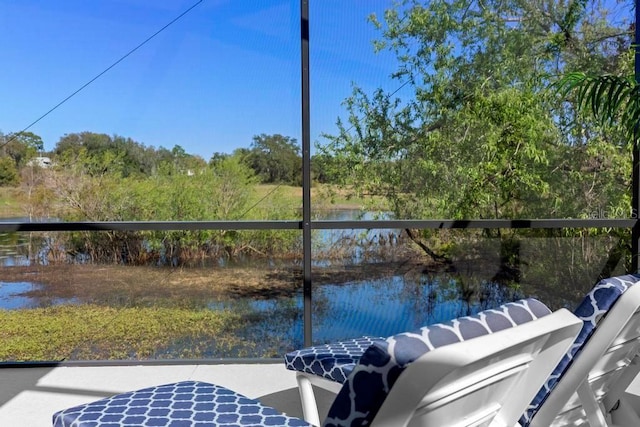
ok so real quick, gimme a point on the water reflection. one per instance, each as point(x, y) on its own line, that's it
point(11, 297)
point(378, 308)
point(16, 295)
point(354, 245)
point(388, 306)
point(14, 249)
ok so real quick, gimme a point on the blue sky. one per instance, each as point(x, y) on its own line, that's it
point(226, 71)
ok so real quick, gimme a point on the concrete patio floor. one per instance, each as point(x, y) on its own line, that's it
point(30, 396)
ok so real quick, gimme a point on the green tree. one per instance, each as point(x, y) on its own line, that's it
point(217, 158)
point(127, 157)
point(185, 162)
point(613, 100)
point(602, 110)
point(21, 147)
point(325, 168)
point(8, 172)
point(92, 142)
point(480, 136)
point(275, 159)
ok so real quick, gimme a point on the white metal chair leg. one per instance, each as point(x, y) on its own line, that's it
point(591, 406)
point(308, 399)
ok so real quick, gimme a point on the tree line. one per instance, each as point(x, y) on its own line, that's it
point(273, 158)
point(486, 126)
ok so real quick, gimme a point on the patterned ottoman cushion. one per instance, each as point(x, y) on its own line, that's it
point(182, 404)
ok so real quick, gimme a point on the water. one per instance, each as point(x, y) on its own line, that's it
point(376, 307)
point(12, 295)
point(380, 307)
point(16, 295)
point(388, 306)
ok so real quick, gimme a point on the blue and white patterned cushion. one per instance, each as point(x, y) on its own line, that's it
point(591, 311)
point(367, 387)
point(187, 403)
point(333, 361)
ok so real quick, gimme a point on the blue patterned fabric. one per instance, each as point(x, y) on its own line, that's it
point(333, 361)
point(187, 403)
point(365, 390)
point(591, 311)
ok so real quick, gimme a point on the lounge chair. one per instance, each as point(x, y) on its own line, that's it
point(487, 380)
point(586, 387)
point(328, 366)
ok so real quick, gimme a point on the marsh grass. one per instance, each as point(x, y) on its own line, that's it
point(11, 203)
point(137, 286)
point(324, 197)
point(97, 332)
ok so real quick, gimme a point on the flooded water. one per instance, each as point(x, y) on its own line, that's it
point(379, 307)
point(12, 295)
point(376, 306)
point(17, 295)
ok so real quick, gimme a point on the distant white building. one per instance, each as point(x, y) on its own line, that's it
point(43, 162)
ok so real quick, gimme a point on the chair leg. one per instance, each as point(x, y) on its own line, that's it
point(591, 406)
point(308, 399)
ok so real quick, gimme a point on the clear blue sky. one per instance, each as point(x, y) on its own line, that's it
point(226, 71)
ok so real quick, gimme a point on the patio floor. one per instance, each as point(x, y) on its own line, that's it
point(30, 396)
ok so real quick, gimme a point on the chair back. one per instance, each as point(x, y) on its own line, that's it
point(488, 380)
point(593, 375)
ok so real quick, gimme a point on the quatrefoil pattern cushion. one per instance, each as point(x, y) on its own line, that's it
point(187, 403)
point(591, 311)
point(367, 387)
point(333, 361)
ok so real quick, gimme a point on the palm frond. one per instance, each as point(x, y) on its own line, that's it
point(610, 99)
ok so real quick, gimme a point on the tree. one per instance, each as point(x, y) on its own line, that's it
point(8, 172)
point(217, 158)
point(187, 163)
point(125, 156)
point(480, 135)
point(275, 159)
point(325, 169)
point(21, 147)
point(93, 143)
point(613, 100)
